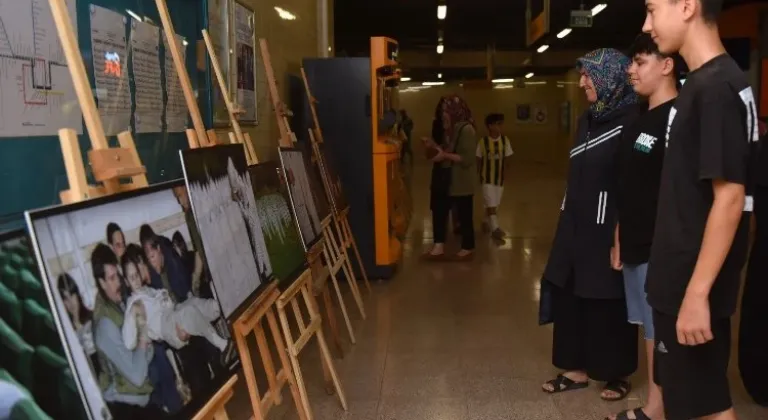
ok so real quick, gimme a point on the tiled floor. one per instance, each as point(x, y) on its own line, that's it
point(461, 342)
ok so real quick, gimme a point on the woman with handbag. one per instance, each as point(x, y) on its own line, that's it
point(592, 339)
point(453, 175)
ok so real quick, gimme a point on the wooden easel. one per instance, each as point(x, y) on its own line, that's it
point(232, 109)
point(340, 215)
point(334, 259)
point(301, 288)
point(109, 164)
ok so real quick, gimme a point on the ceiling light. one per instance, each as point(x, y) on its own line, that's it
point(540, 82)
point(543, 48)
point(433, 83)
point(504, 87)
point(442, 11)
point(133, 15)
point(503, 80)
point(564, 33)
point(440, 48)
point(329, 48)
point(529, 75)
point(405, 79)
point(599, 8)
point(439, 75)
point(284, 14)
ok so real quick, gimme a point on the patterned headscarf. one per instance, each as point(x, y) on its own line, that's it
point(607, 68)
point(452, 110)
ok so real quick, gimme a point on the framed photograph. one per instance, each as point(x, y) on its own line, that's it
point(144, 330)
point(281, 232)
point(221, 194)
point(34, 366)
point(523, 113)
point(307, 194)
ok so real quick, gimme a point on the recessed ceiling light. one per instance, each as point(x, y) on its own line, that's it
point(284, 14)
point(564, 33)
point(503, 80)
point(405, 79)
point(529, 75)
point(442, 11)
point(433, 83)
point(440, 48)
point(542, 48)
point(439, 75)
point(598, 8)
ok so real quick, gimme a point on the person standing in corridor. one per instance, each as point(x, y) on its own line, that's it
point(654, 77)
point(592, 338)
point(700, 241)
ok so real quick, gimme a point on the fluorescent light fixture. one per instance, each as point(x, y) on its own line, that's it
point(504, 87)
point(442, 11)
point(564, 33)
point(540, 82)
point(440, 48)
point(560, 86)
point(439, 75)
point(433, 83)
point(503, 80)
point(405, 79)
point(599, 8)
point(543, 48)
point(284, 14)
point(529, 75)
point(134, 15)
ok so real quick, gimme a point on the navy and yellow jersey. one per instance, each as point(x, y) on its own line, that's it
point(491, 153)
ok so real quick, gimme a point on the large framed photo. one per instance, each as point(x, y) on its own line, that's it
point(34, 365)
point(224, 206)
point(307, 194)
point(132, 297)
point(281, 233)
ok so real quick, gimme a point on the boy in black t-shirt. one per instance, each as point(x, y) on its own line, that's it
point(653, 77)
point(700, 240)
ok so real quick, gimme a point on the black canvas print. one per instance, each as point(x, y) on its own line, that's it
point(35, 378)
point(131, 293)
point(222, 198)
point(338, 199)
point(281, 233)
point(307, 194)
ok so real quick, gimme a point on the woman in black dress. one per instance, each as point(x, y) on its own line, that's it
point(592, 338)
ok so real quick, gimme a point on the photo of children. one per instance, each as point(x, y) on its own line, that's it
point(144, 341)
point(224, 207)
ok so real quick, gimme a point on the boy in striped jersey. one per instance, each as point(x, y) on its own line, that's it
point(493, 152)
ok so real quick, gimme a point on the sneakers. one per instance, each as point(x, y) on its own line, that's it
point(498, 234)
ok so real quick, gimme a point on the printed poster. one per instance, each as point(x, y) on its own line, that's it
point(110, 58)
point(145, 53)
point(245, 50)
point(176, 107)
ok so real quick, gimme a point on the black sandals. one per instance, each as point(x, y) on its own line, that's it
point(637, 412)
point(620, 387)
point(562, 384)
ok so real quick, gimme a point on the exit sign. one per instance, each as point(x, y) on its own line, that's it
point(581, 19)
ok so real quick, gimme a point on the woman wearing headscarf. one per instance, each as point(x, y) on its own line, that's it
point(592, 339)
point(453, 175)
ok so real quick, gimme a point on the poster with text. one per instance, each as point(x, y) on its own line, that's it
point(245, 55)
point(176, 106)
point(110, 67)
point(145, 57)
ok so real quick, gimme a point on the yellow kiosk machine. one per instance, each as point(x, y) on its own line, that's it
point(357, 110)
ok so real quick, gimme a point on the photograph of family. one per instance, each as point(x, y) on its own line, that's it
point(308, 198)
point(134, 299)
point(224, 207)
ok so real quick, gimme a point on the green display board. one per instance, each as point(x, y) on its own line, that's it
point(32, 169)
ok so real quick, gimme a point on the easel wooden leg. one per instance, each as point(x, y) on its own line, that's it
point(215, 409)
point(348, 232)
point(293, 354)
point(340, 255)
point(287, 365)
point(332, 270)
point(332, 323)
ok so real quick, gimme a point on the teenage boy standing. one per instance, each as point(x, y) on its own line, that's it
point(493, 152)
point(653, 76)
point(700, 240)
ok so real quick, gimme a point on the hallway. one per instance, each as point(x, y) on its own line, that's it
point(461, 342)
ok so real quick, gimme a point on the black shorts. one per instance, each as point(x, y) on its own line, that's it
point(693, 379)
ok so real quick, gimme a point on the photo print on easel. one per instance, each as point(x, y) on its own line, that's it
point(132, 296)
point(33, 364)
point(308, 198)
point(281, 234)
point(222, 198)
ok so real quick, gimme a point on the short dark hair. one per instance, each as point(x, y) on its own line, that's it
point(710, 10)
point(494, 118)
point(148, 236)
point(101, 256)
point(644, 44)
point(113, 227)
point(133, 254)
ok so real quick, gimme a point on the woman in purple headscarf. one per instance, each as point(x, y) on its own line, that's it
point(592, 339)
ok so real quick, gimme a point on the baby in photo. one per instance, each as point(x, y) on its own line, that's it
point(153, 313)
